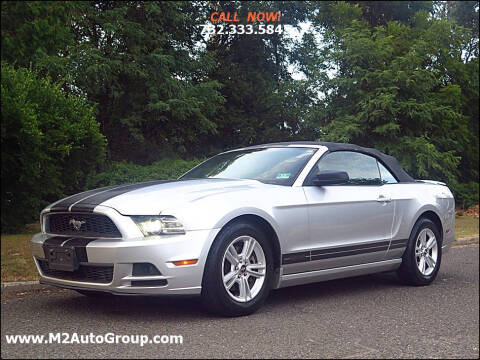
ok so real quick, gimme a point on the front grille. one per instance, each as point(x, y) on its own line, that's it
point(85, 273)
point(87, 225)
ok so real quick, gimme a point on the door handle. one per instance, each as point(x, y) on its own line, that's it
point(384, 199)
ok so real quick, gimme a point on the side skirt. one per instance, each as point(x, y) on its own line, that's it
point(337, 273)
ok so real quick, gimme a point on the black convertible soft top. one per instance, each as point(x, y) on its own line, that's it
point(388, 161)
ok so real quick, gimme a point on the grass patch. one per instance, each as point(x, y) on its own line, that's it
point(18, 265)
point(17, 260)
point(466, 226)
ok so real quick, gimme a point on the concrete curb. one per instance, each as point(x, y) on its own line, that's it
point(466, 241)
point(29, 285)
point(20, 283)
point(21, 286)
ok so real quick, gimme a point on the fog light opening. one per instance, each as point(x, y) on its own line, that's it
point(145, 269)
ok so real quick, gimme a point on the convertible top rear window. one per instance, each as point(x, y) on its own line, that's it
point(272, 165)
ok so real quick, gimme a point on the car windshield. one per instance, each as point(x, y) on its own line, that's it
point(273, 165)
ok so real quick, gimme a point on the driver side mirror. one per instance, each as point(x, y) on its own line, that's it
point(330, 177)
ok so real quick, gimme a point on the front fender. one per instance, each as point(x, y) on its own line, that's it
point(248, 211)
point(284, 208)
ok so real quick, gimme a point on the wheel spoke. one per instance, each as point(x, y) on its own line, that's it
point(431, 242)
point(232, 255)
point(248, 294)
point(255, 273)
point(423, 237)
point(229, 279)
point(430, 261)
point(422, 265)
point(256, 267)
point(243, 286)
point(254, 270)
point(248, 247)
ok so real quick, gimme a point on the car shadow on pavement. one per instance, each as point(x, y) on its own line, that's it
point(335, 290)
point(150, 307)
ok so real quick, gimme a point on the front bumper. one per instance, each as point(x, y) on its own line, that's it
point(160, 251)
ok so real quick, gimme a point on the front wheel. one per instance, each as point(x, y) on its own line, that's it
point(422, 258)
point(239, 271)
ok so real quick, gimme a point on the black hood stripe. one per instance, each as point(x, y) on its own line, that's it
point(67, 202)
point(89, 204)
point(87, 201)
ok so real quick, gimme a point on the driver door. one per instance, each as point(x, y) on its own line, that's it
point(349, 224)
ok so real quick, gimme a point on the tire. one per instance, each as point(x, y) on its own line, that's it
point(236, 301)
point(410, 271)
point(95, 294)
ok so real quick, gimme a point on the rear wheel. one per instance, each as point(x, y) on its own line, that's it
point(422, 258)
point(239, 271)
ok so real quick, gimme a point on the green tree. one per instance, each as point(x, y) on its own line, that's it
point(400, 87)
point(140, 63)
point(38, 34)
point(263, 102)
point(122, 172)
point(381, 12)
point(464, 72)
point(50, 142)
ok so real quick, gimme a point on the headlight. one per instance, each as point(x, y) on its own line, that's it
point(158, 225)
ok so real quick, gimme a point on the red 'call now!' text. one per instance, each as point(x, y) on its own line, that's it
point(252, 16)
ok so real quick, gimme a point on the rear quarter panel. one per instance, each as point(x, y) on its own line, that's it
point(412, 200)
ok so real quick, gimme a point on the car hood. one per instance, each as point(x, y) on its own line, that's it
point(152, 197)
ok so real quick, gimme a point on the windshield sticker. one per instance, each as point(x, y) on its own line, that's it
point(284, 175)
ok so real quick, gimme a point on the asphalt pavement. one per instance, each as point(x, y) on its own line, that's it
point(364, 317)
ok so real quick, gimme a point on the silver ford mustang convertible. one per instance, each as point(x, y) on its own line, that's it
point(247, 221)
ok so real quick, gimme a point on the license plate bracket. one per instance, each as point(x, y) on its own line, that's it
point(62, 258)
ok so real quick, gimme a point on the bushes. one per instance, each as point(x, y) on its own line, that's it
point(124, 172)
point(466, 195)
point(50, 143)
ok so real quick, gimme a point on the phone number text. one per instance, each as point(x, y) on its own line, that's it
point(241, 29)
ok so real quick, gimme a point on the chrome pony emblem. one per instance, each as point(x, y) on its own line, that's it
point(77, 224)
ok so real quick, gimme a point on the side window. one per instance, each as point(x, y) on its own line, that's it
point(387, 177)
point(361, 169)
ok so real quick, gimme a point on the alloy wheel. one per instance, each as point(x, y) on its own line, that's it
point(426, 251)
point(243, 268)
